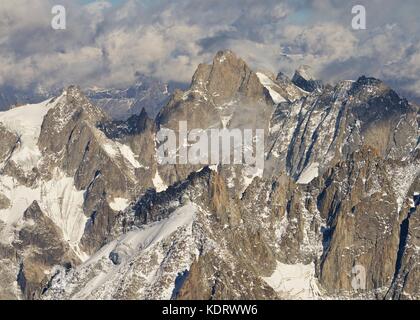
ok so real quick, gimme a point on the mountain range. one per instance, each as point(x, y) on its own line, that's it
point(119, 104)
point(87, 211)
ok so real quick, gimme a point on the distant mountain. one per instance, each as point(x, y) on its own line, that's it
point(147, 93)
point(87, 212)
point(305, 80)
point(11, 96)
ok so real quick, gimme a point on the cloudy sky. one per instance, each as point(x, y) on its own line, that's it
point(107, 42)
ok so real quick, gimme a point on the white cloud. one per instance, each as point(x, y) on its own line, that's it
point(106, 46)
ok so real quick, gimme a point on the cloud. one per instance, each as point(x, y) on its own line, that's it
point(106, 44)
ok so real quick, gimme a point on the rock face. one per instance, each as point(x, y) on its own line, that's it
point(9, 142)
point(226, 94)
point(41, 246)
point(217, 92)
point(87, 212)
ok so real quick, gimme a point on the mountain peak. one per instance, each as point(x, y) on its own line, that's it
point(304, 79)
point(305, 72)
point(225, 56)
point(73, 91)
point(370, 86)
point(227, 76)
point(368, 81)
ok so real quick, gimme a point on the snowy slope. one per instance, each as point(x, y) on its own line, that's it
point(57, 197)
point(269, 84)
point(26, 122)
point(145, 261)
point(115, 149)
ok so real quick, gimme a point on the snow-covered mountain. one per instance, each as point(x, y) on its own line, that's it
point(86, 212)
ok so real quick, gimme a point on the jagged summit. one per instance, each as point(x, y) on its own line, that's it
point(226, 76)
point(305, 80)
point(217, 93)
point(226, 55)
point(363, 80)
point(305, 72)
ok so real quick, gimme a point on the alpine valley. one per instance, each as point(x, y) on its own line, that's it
point(87, 212)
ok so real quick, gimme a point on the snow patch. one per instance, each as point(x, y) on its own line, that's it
point(129, 155)
point(214, 167)
point(294, 281)
point(119, 204)
point(160, 186)
point(310, 173)
point(115, 149)
point(269, 84)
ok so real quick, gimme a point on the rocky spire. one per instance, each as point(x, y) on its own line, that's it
point(227, 76)
point(305, 80)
